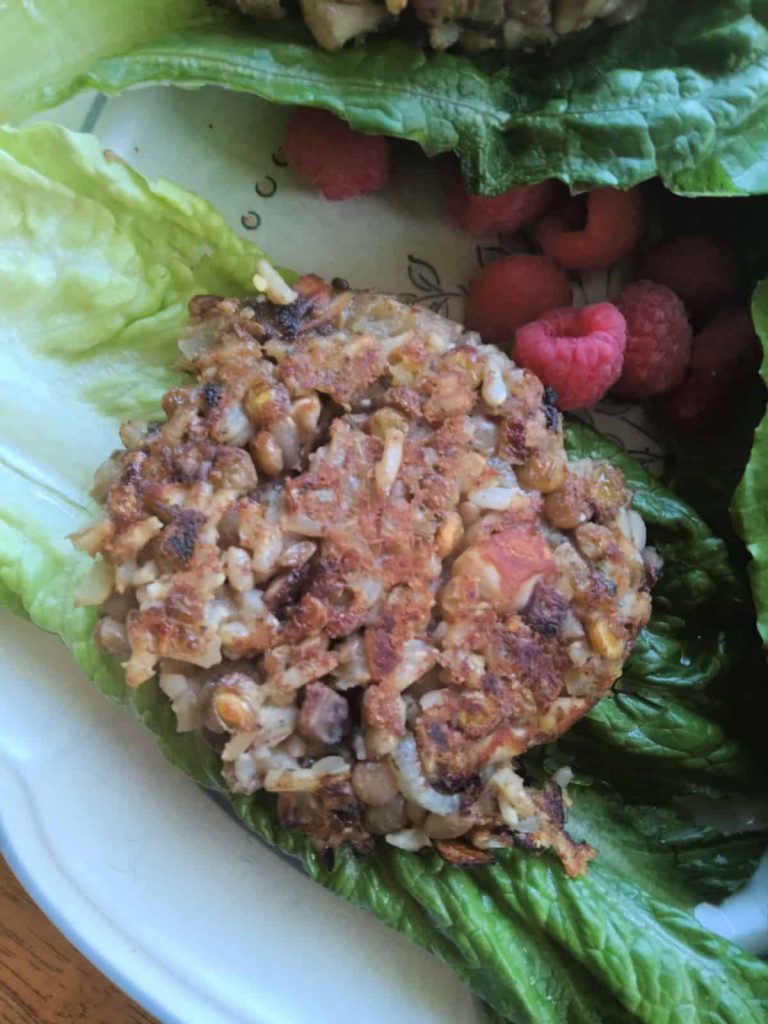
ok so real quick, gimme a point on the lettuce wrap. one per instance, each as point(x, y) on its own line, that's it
point(96, 268)
point(682, 92)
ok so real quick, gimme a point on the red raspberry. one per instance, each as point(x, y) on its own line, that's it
point(658, 340)
point(724, 356)
point(511, 292)
point(613, 228)
point(341, 163)
point(701, 269)
point(728, 346)
point(508, 212)
point(578, 352)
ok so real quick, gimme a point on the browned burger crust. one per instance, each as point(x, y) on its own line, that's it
point(357, 552)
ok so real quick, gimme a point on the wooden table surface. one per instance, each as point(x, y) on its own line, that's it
point(43, 979)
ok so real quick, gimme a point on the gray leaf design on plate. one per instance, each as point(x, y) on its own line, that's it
point(423, 275)
point(631, 427)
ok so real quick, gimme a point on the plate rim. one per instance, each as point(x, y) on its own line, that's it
point(34, 884)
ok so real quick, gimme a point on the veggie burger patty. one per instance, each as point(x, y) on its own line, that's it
point(359, 558)
point(472, 25)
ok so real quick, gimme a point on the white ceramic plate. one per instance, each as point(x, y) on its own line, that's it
point(146, 874)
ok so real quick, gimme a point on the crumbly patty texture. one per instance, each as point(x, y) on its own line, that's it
point(471, 25)
point(359, 559)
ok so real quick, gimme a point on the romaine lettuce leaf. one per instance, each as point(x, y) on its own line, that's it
point(714, 861)
point(750, 507)
point(682, 92)
point(97, 265)
point(693, 978)
point(46, 44)
point(672, 732)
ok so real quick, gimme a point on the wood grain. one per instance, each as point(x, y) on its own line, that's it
point(43, 979)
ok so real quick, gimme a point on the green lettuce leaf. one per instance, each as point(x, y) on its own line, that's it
point(45, 46)
point(714, 862)
point(750, 507)
point(97, 265)
point(672, 732)
point(693, 975)
point(681, 92)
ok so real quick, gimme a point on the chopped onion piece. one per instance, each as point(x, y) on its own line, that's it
point(413, 785)
point(411, 839)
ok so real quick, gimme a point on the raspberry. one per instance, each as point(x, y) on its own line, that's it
point(613, 228)
point(727, 346)
point(701, 269)
point(341, 163)
point(724, 356)
point(658, 340)
point(508, 212)
point(578, 352)
point(511, 292)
